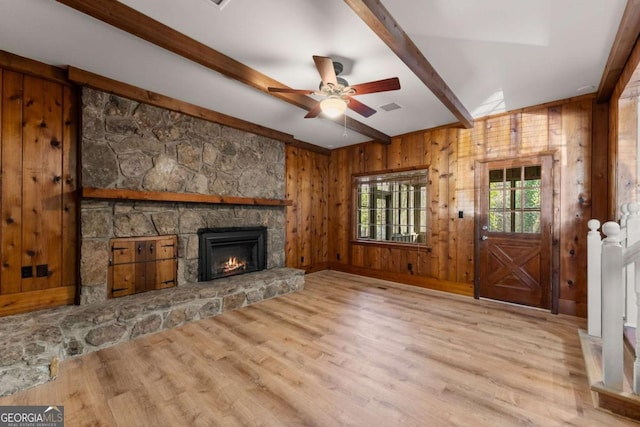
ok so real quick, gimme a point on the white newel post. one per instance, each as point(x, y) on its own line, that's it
point(594, 282)
point(612, 307)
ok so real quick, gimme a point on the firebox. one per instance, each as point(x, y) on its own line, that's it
point(229, 251)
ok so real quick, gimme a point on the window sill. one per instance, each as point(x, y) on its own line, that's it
point(413, 246)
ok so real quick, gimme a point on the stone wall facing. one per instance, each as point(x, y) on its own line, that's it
point(132, 145)
point(34, 343)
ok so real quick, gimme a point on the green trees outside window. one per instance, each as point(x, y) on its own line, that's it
point(514, 199)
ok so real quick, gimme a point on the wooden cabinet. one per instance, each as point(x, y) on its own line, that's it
point(140, 264)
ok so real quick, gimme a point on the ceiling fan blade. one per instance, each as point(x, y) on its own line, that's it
point(289, 90)
point(313, 112)
point(360, 108)
point(325, 68)
point(377, 86)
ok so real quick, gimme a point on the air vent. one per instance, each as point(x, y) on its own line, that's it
point(218, 3)
point(390, 107)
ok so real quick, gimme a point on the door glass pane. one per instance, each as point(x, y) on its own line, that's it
point(516, 222)
point(532, 199)
point(515, 199)
point(496, 199)
point(514, 175)
point(532, 222)
point(496, 221)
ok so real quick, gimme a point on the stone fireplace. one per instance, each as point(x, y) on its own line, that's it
point(136, 146)
point(128, 145)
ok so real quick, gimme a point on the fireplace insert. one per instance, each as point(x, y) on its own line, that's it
point(226, 252)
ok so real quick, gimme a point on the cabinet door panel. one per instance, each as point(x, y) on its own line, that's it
point(122, 280)
point(166, 248)
point(165, 274)
point(123, 252)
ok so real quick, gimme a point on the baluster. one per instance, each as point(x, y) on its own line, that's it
point(612, 294)
point(594, 280)
point(636, 362)
point(624, 214)
point(628, 301)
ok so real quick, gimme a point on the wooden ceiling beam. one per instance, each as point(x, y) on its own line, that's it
point(623, 44)
point(133, 22)
point(378, 18)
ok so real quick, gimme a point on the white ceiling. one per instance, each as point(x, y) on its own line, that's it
point(495, 55)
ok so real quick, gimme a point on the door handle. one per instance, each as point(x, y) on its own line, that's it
point(483, 238)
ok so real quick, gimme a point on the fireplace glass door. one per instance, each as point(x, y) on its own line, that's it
point(229, 251)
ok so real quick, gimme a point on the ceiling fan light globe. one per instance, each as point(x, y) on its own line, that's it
point(333, 107)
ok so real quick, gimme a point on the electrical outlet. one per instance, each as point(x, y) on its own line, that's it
point(302, 260)
point(338, 256)
point(410, 267)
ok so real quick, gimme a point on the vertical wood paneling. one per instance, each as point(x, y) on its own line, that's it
point(319, 209)
point(308, 224)
point(339, 193)
point(534, 131)
point(12, 94)
point(69, 189)
point(575, 185)
point(555, 138)
point(627, 155)
point(600, 162)
point(394, 154)
point(452, 214)
point(442, 223)
point(50, 136)
point(291, 186)
point(375, 156)
point(304, 208)
point(564, 129)
point(465, 184)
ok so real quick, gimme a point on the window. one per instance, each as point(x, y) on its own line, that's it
point(514, 200)
point(392, 207)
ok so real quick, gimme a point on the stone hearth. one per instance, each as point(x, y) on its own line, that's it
point(34, 343)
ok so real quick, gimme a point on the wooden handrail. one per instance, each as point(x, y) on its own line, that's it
point(165, 196)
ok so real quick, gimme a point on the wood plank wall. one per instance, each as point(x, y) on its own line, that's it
point(38, 158)
point(573, 131)
point(307, 218)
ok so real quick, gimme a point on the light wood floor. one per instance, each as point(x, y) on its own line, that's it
point(347, 350)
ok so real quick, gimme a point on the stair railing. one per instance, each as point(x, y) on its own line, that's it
point(619, 289)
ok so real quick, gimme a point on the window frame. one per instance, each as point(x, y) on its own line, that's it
point(400, 176)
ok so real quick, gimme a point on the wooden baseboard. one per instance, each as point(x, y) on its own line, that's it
point(465, 289)
point(36, 300)
point(621, 403)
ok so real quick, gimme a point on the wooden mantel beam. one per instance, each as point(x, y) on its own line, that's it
point(623, 44)
point(133, 22)
point(378, 18)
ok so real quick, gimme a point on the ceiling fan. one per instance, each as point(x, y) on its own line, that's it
point(338, 95)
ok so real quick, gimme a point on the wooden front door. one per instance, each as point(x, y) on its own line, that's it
point(514, 231)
